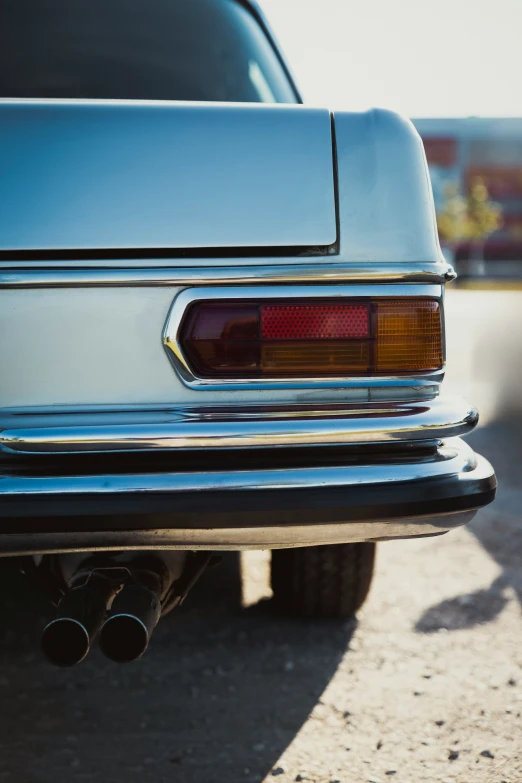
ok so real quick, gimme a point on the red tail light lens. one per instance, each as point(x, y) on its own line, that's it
point(313, 338)
point(314, 321)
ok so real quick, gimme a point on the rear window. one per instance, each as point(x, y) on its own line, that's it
point(194, 50)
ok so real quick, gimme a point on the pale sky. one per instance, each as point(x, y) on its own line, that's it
point(424, 58)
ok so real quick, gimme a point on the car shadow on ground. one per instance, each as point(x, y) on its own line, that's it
point(219, 696)
point(498, 528)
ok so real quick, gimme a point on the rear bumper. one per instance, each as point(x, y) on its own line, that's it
point(225, 427)
point(395, 494)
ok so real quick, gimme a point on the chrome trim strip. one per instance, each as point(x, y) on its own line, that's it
point(452, 459)
point(276, 537)
point(259, 15)
point(190, 295)
point(262, 270)
point(236, 427)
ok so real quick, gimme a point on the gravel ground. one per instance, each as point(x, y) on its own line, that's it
point(427, 687)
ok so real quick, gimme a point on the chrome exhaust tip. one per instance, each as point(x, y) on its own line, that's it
point(126, 632)
point(67, 639)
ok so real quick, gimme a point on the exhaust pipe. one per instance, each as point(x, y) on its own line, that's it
point(121, 598)
point(135, 611)
point(126, 633)
point(67, 639)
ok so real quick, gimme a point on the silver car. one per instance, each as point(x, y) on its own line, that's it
point(221, 321)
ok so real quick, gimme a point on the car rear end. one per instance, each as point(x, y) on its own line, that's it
point(216, 333)
point(223, 328)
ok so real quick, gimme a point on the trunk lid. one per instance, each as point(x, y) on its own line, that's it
point(130, 175)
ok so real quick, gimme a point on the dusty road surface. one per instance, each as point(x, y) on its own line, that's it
point(426, 688)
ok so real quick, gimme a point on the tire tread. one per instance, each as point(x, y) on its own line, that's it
point(330, 581)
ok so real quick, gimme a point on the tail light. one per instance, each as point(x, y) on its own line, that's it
point(313, 338)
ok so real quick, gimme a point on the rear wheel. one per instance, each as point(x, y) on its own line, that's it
point(323, 581)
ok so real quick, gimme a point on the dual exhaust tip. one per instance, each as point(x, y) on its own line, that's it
point(124, 630)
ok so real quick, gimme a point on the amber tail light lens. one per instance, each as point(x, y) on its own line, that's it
point(321, 338)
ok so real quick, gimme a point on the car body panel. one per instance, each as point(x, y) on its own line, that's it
point(103, 346)
point(386, 210)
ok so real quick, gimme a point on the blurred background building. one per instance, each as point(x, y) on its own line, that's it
point(476, 171)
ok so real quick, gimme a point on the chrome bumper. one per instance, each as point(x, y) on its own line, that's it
point(212, 427)
point(405, 495)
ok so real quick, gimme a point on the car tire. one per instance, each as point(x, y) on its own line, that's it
point(322, 581)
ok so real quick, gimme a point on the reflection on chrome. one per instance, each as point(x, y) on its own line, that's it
point(263, 270)
point(237, 427)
